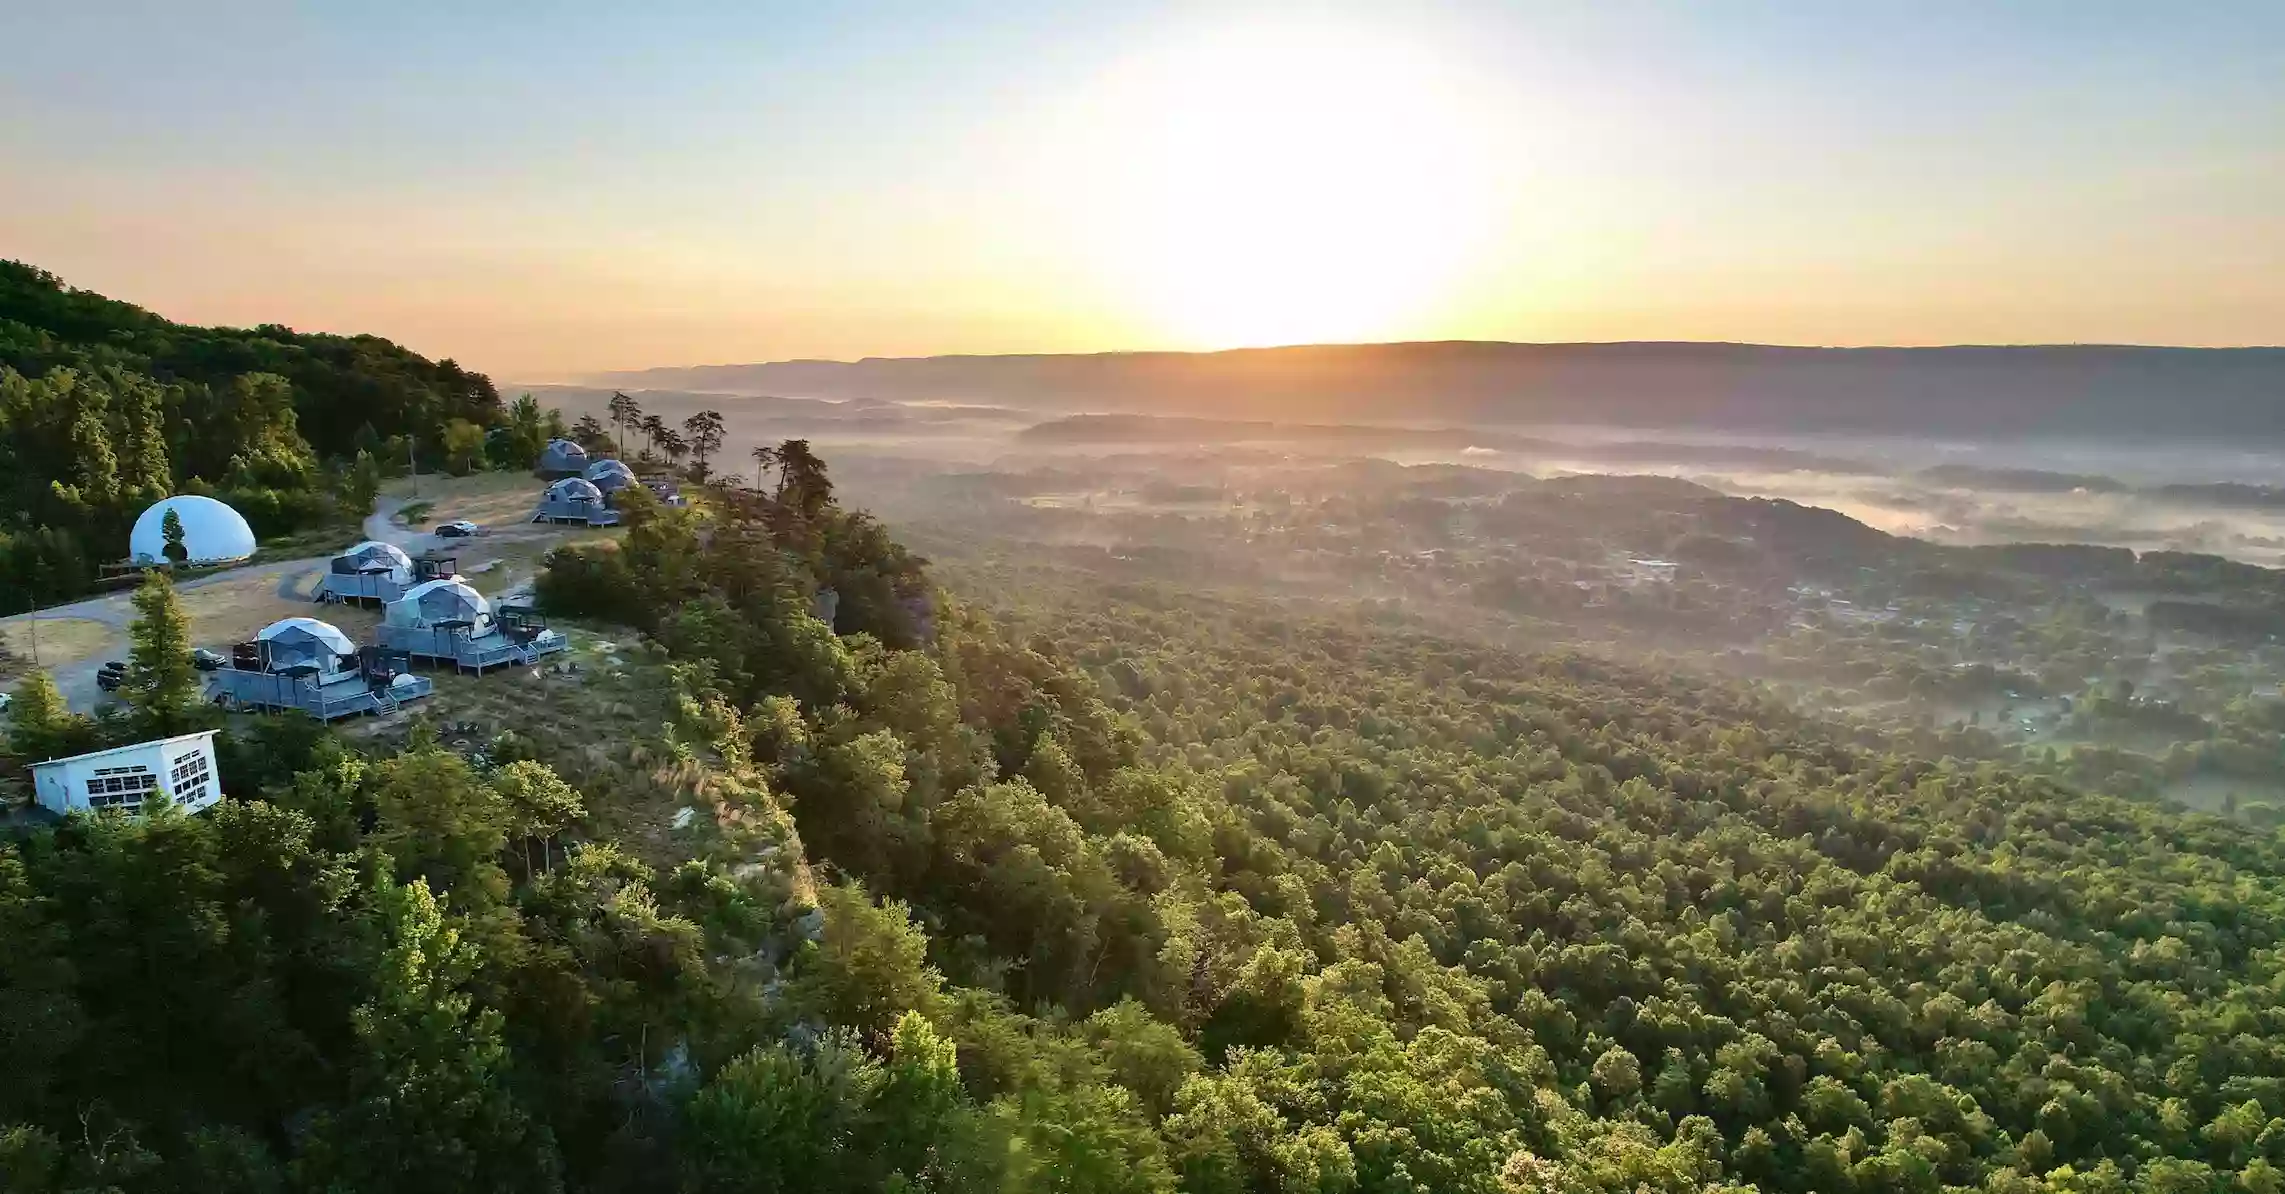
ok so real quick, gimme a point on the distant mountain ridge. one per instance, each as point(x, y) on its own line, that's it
point(2059, 391)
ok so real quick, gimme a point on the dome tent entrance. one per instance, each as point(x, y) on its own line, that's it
point(442, 604)
point(304, 644)
point(562, 458)
point(212, 533)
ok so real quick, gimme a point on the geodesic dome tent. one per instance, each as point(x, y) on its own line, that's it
point(610, 476)
point(372, 556)
point(304, 643)
point(561, 457)
point(574, 489)
point(212, 532)
point(438, 604)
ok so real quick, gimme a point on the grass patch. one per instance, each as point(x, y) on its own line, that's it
point(62, 640)
point(416, 513)
point(599, 729)
point(232, 611)
point(316, 541)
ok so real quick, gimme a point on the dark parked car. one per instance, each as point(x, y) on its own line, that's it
point(207, 660)
point(112, 676)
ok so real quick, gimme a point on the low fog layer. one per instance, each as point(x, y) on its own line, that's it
point(2091, 392)
point(2138, 494)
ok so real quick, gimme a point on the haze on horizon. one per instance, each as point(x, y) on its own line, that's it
point(613, 188)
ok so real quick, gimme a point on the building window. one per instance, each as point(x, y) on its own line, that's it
point(190, 772)
point(120, 785)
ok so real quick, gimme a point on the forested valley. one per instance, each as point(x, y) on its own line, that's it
point(1007, 874)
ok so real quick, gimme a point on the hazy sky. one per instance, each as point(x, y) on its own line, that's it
point(539, 190)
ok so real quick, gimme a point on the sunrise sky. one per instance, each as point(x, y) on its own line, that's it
point(540, 191)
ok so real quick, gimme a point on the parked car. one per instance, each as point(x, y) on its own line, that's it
point(112, 675)
point(207, 660)
point(459, 528)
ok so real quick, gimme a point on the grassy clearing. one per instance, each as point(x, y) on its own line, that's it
point(601, 729)
point(233, 610)
point(492, 499)
point(62, 640)
point(316, 541)
point(494, 563)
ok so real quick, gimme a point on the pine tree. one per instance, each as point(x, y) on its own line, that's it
point(161, 684)
point(361, 484)
point(144, 475)
point(170, 527)
point(93, 467)
point(802, 482)
point(431, 1108)
point(703, 432)
point(625, 413)
point(41, 726)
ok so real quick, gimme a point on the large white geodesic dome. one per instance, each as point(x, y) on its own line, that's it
point(439, 603)
point(212, 532)
point(294, 642)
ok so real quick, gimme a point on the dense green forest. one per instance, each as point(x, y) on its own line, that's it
point(106, 407)
point(1039, 880)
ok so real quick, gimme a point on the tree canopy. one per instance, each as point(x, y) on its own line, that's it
point(1096, 885)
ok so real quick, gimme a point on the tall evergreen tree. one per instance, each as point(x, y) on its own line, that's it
point(431, 1107)
point(765, 459)
point(527, 431)
point(703, 432)
point(161, 686)
point(144, 475)
point(90, 463)
point(625, 412)
point(41, 726)
point(802, 482)
point(588, 433)
point(171, 530)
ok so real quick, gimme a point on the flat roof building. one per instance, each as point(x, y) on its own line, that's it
point(180, 768)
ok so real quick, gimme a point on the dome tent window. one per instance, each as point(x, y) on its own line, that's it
point(203, 532)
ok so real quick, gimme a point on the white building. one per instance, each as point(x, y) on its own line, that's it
point(125, 776)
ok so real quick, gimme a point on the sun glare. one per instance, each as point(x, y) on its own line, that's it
point(1279, 185)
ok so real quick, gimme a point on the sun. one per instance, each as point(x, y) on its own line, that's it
point(1280, 185)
